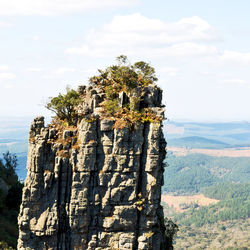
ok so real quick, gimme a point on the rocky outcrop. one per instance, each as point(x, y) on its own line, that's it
point(94, 186)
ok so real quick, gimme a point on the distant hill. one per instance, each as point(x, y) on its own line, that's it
point(243, 137)
point(228, 132)
point(14, 146)
point(196, 142)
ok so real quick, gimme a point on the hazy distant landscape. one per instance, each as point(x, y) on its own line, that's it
point(14, 138)
point(206, 190)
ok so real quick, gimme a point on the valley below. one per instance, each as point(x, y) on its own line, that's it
point(182, 203)
point(207, 189)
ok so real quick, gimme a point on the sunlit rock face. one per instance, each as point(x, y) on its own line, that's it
point(97, 187)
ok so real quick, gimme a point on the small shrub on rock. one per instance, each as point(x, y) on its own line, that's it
point(64, 106)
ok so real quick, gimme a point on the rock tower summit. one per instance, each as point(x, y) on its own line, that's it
point(96, 184)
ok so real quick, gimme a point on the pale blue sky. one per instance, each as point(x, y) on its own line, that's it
point(200, 49)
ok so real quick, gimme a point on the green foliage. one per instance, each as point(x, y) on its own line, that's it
point(145, 72)
point(112, 107)
point(122, 59)
point(7, 169)
point(123, 77)
point(221, 235)
point(5, 246)
point(64, 106)
point(227, 191)
point(14, 196)
point(186, 174)
point(200, 226)
point(171, 230)
point(226, 210)
point(110, 93)
point(10, 202)
point(234, 204)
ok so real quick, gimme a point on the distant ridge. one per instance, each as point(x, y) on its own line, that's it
point(197, 142)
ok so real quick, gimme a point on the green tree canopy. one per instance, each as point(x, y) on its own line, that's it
point(9, 202)
point(122, 77)
point(7, 169)
point(125, 76)
point(64, 106)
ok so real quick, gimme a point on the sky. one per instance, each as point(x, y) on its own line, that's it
point(200, 50)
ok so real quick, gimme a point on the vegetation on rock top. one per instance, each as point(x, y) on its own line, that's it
point(123, 78)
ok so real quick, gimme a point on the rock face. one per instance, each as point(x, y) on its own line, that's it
point(98, 187)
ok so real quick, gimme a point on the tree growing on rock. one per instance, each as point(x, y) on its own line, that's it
point(122, 85)
point(124, 77)
point(64, 106)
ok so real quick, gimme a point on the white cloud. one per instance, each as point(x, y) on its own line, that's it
point(235, 57)
point(4, 67)
point(7, 76)
point(34, 69)
point(171, 71)
point(235, 81)
point(57, 7)
point(35, 38)
point(65, 70)
point(138, 35)
point(8, 86)
point(5, 24)
point(187, 50)
point(89, 71)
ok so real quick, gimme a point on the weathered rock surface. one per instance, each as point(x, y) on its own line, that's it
point(101, 189)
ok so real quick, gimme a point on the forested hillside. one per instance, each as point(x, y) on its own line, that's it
point(234, 204)
point(223, 225)
point(10, 199)
point(216, 211)
point(214, 226)
point(189, 174)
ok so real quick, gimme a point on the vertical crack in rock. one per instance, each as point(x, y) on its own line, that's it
point(63, 200)
point(59, 209)
point(67, 197)
point(97, 185)
point(139, 192)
